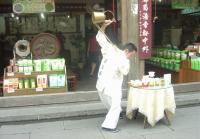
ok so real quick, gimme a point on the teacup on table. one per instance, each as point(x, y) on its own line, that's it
point(151, 74)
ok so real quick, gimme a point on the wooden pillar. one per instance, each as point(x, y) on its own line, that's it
point(124, 24)
point(129, 27)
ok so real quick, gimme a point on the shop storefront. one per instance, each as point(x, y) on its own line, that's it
point(63, 65)
point(175, 47)
point(171, 27)
point(35, 40)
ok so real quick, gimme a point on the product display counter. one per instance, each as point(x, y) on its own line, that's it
point(180, 64)
point(184, 75)
point(187, 73)
point(29, 77)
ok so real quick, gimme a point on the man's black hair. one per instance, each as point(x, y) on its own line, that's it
point(130, 46)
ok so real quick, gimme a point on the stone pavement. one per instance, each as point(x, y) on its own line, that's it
point(185, 125)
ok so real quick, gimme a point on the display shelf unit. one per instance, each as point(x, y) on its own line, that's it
point(187, 74)
point(30, 74)
point(34, 91)
point(184, 75)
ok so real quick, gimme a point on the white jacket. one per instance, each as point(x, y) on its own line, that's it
point(113, 66)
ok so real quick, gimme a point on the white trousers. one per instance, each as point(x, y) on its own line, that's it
point(113, 104)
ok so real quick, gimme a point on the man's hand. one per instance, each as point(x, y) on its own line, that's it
point(107, 23)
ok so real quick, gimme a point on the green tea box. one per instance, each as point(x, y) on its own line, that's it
point(61, 80)
point(53, 80)
point(38, 65)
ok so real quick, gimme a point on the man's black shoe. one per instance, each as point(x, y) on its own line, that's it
point(121, 116)
point(115, 130)
point(91, 76)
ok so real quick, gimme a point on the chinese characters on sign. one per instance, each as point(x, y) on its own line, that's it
point(145, 31)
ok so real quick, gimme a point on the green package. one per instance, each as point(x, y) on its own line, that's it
point(55, 64)
point(195, 64)
point(29, 62)
point(25, 62)
point(26, 83)
point(176, 66)
point(20, 69)
point(46, 65)
point(61, 80)
point(53, 80)
point(26, 69)
point(32, 83)
point(20, 84)
point(61, 64)
point(20, 63)
point(198, 64)
point(37, 65)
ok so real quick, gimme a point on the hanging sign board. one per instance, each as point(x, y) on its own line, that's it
point(181, 4)
point(145, 28)
point(33, 6)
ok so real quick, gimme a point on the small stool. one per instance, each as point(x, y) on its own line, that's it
point(71, 80)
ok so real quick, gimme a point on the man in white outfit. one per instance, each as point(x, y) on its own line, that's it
point(114, 65)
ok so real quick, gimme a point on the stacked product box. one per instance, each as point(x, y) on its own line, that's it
point(11, 84)
point(25, 66)
point(195, 64)
point(49, 64)
point(26, 83)
point(57, 80)
point(35, 75)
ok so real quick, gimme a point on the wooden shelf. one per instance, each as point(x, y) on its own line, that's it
point(188, 74)
point(31, 74)
point(35, 91)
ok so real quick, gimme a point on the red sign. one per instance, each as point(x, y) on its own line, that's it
point(145, 28)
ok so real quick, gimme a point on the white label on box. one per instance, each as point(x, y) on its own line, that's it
point(10, 74)
point(39, 89)
point(191, 53)
point(27, 73)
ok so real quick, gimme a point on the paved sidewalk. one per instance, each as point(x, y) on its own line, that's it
point(185, 125)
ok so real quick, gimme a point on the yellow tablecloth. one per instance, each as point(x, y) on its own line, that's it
point(151, 102)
